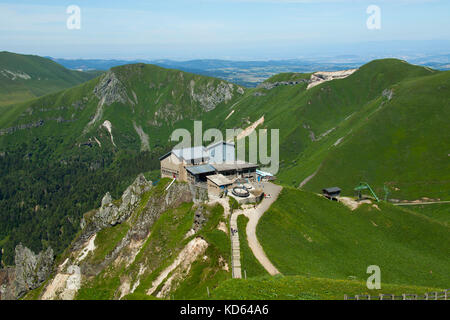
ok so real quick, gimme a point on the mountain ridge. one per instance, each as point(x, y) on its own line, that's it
point(24, 77)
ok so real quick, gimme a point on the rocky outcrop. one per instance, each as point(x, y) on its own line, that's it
point(110, 90)
point(324, 76)
point(31, 269)
point(13, 75)
point(65, 285)
point(271, 85)
point(145, 143)
point(30, 272)
point(199, 218)
point(168, 113)
point(11, 130)
point(388, 94)
point(78, 266)
point(172, 198)
point(211, 95)
point(7, 277)
point(199, 194)
point(111, 213)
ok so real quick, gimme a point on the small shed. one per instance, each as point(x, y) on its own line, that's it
point(331, 193)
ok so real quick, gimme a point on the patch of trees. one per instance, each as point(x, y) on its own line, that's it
point(44, 191)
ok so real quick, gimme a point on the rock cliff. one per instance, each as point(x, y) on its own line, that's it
point(136, 212)
point(30, 272)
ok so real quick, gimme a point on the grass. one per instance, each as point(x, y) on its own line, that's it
point(414, 164)
point(304, 288)
point(208, 274)
point(439, 211)
point(46, 77)
point(101, 287)
point(234, 205)
point(35, 293)
point(107, 239)
point(248, 261)
point(167, 234)
point(166, 239)
point(305, 234)
point(203, 274)
point(399, 142)
point(400, 145)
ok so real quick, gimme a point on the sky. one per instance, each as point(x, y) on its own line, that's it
point(224, 29)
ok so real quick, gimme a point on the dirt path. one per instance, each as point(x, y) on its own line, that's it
point(307, 179)
point(419, 203)
point(254, 215)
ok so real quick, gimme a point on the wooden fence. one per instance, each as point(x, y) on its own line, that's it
point(443, 295)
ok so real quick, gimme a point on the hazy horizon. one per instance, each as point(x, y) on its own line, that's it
point(225, 29)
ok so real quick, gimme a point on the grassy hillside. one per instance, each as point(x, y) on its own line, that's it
point(401, 144)
point(384, 124)
point(438, 211)
point(58, 159)
point(155, 99)
point(23, 77)
point(304, 288)
point(305, 234)
point(165, 234)
point(161, 245)
point(379, 111)
point(249, 263)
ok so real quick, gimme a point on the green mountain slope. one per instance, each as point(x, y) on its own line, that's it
point(306, 234)
point(151, 98)
point(304, 288)
point(162, 246)
point(381, 125)
point(401, 144)
point(156, 245)
point(436, 211)
point(61, 152)
point(23, 77)
point(386, 124)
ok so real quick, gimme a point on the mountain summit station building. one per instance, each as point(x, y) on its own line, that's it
point(214, 166)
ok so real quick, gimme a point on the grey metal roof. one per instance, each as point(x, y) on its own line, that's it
point(204, 168)
point(332, 190)
point(226, 166)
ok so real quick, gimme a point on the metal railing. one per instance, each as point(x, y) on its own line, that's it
point(443, 295)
